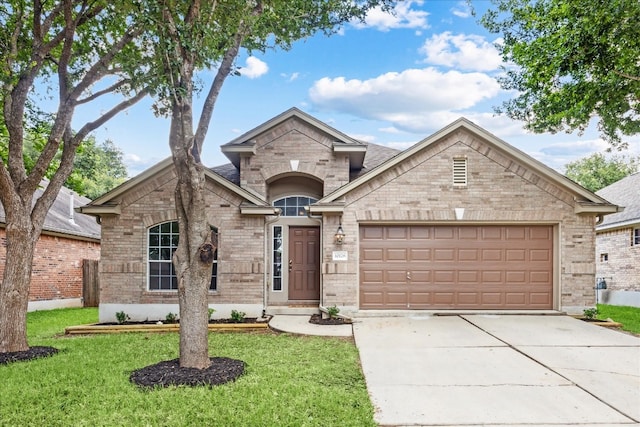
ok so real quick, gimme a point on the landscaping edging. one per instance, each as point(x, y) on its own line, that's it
point(598, 322)
point(172, 327)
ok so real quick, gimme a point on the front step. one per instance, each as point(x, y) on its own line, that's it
point(292, 310)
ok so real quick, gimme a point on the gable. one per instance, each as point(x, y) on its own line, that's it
point(155, 178)
point(512, 160)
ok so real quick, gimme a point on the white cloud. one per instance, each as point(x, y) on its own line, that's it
point(403, 16)
point(255, 68)
point(461, 10)
point(414, 100)
point(136, 164)
point(461, 51)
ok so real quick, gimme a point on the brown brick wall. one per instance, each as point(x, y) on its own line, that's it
point(290, 141)
point(420, 190)
point(57, 266)
point(123, 268)
point(622, 270)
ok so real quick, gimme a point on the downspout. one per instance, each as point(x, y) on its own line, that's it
point(265, 275)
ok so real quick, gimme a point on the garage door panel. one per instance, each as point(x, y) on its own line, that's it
point(483, 267)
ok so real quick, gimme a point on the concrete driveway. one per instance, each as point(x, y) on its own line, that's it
point(499, 369)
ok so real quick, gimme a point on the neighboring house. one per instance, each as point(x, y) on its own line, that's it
point(618, 244)
point(308, 217)
point(67, 239)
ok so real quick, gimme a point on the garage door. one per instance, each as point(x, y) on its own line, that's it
point(456, 267)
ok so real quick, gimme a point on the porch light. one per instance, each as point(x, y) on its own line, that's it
point(338, 238)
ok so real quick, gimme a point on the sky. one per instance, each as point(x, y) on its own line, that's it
point(393, 80)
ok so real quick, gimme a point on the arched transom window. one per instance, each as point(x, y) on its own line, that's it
point(294, 205)
point(162, 243)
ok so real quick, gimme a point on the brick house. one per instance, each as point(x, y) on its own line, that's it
point(67, 239)
point(618, 244)
point(308, 217)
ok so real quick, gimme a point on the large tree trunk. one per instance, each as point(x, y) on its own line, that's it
point(14, 289)
point(193, 272)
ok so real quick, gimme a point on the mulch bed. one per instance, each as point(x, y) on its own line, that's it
point(169, 373)
point(317, 319)
point(155, 322)
point(23, 356)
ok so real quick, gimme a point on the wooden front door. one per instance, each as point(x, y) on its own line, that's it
point(304, 263)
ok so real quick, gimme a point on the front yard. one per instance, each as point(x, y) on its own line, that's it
point(288, 380)
point(628, 316)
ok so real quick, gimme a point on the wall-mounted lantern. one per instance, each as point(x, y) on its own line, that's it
point(338, 238)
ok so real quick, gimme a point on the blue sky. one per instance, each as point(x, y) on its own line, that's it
point(392, 81)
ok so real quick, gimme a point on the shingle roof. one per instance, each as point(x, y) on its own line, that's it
point(58, 218)
point(625, 192)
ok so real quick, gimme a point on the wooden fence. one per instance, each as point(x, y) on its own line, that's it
point(90, 283)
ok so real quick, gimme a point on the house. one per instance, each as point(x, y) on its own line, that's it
point(618, 245)
point(68, 238)
point(307, 217)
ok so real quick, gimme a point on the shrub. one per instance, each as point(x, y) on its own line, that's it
point(211, 311)
point(237, 316)
point(333, 311)
point(122, 317)
point(590, 313)
point(171, 318)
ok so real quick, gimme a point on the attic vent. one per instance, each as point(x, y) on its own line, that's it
point(459, 172)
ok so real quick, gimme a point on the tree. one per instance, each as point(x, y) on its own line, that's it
point(97, 168)
point(574, 59)
point(597, 171)
point(191, 36)
point(68, 53)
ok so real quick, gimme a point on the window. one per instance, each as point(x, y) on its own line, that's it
point(162, 243)
point(635, 239)
point(277, 258)
point(604, 257)
point(294, 205)
point(459, 172)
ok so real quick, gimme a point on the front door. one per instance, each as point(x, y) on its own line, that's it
point(304, 263)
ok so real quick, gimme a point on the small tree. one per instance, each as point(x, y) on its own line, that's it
point(76, 52)
point(194, 35)
point(597, 171)
point(574, 59)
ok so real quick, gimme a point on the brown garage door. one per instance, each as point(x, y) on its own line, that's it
point(456, 267)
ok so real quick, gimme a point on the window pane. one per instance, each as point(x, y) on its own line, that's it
point(154, 254)
point(165, 254)
point(154, 283)
point(290, 211)
point(165, 228)
point(277, 284)
point(154, 240)
point(165, 240)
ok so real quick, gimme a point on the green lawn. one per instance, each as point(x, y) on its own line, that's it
point(289, 381)
point(628, 316)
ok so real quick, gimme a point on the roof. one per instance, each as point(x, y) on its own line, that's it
point(586, 201)
point(62, 219)
point(245, 143)
point(625, 192)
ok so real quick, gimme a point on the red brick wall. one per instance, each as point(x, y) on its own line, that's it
point(57, 266)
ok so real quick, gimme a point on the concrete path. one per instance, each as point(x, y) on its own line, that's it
point(299, 324)
point(499, 370)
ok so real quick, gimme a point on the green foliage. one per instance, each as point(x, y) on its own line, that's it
point(573, 59)
point(317, 381)
point(211, 311)
point(238, 316)
point(598, 171)
point(590, 313)
point(171, 318)
point(629, 317)
point(333, 311)
point(122, 317)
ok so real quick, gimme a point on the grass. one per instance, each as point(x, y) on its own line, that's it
point(628, 316)
point(289, 381)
